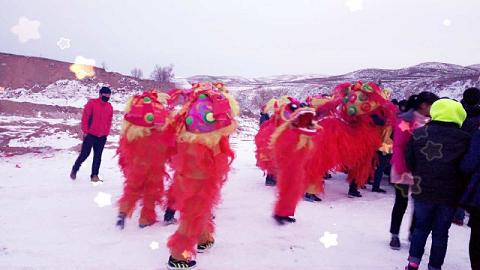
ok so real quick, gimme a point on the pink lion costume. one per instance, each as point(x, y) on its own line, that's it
point(201, 164)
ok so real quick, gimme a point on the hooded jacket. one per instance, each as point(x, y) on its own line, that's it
point(434, 154)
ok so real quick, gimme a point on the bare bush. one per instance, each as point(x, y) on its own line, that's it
point(162, 74)
point(137, 73)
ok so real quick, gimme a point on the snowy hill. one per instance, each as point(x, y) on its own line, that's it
point(48, 88)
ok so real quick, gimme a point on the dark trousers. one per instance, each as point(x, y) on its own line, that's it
point(382, 164)
point(399, 208)
point(89, 142)
point(474, 247)
point(435, 218)
point(459, 215)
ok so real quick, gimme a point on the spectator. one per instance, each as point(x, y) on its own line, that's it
point(418, 115)
point(433, 155)
point(96, 123)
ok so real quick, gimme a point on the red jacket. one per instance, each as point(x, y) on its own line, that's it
point(97, 117)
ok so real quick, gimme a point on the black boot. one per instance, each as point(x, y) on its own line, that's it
point(73, 174)
point(353, 191)
point(283, 220)
point(177, 264)
point(311, 198)
point(395, 242)
point(169, 217)
point(270, 180)
point(121, 220)
point(379, 190)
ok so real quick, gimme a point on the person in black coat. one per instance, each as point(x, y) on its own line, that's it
point(471, 198)
point(471, 104)
point(433, 155)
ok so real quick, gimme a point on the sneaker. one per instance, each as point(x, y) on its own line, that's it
point(283, 220)
point(202, 248)
point(311, 198)
point(121, 220)
point(174, 264)
point(412, 266)
point(95, 178)
point(169, 217)
point(143, 225)
point(354, 193)
point(395, 243)
point(379, 190)
point(73, 174)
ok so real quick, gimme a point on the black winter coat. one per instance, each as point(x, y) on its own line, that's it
point(433, 155)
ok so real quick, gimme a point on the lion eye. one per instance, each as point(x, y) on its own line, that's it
point(293, 106)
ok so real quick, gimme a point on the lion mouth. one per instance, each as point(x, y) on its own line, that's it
point(304, 121)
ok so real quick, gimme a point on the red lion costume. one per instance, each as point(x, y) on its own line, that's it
point(354, 135)
point(146, 143)
point(345, 134)
point(284, 148)
point(201, 165)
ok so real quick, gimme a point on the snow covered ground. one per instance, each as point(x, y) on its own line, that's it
point(48, 221)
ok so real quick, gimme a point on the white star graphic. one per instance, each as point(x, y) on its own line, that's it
point(103, 199)
point(154, 245)
point(26, 29)
point(354, 5)
point(329, 239)
point(447, 22)
point(63, 43)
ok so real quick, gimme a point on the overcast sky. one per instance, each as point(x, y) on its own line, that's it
point(248, 37)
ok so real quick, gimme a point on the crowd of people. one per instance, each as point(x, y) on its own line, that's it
point(431, 153)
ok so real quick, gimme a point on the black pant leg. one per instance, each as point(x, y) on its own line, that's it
point(85, 152)
point(474, 248)
point(399, 208)
point(98, 146)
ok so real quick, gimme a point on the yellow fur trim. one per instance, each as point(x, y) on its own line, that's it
point(233, 104)
point(304, 141)
point(210, 139)
point(269, 106)
point(278, 131)
point(133, 132)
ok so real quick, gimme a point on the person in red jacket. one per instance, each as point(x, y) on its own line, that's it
point(96, 123)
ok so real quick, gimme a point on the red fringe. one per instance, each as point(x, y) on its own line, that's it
point(290, 165)
point(264, 153)
point(142, 162)
point(199, 176)
point(350, 147)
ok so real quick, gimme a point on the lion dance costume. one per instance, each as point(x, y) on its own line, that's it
point(354, 133)
point(146, 144)
point(201, 164)
point(300, 144)
point(284, 148)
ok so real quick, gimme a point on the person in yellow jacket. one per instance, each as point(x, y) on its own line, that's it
point(384, 154)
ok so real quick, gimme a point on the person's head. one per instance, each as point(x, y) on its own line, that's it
point(471, 97)
point(422, 102)
point(105, 93)
point(447, 110)
point(402, 105)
